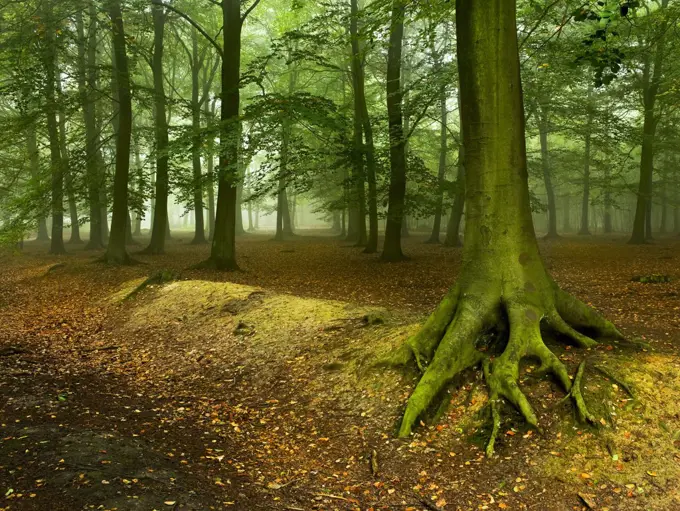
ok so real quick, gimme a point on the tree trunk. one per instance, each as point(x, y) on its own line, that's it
point(608, 225)
point(199, 223)
point(441, 174)
point(116, 252)
point(208, 114)
point(34, 159)
point(159, 229)
point(566, 213)
point(223, 249)
point(585, 204)
point(56, 162)
point(68, 176)
point(676, 209)
point(87, 80)
point(544, 128)
point(458, 208)
point(367, 148)
point(651, 81)
point(503, 285)
point(397, 192)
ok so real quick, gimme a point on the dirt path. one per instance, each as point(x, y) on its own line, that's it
point(143, 406)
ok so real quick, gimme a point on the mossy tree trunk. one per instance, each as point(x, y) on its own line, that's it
point(503, 285)
point(116, 252)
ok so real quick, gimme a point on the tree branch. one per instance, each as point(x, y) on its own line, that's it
point(192, 23)
point(249, 10)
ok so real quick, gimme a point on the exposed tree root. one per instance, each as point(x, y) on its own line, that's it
point(447, 344)
point(616, 380)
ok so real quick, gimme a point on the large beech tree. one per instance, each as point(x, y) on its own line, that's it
point(504, 288)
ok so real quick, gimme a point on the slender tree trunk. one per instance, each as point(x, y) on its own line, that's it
point(458, 208)
point(566, 213)
point(209, 156)
point(251, 227)
point(56, 162)
point(676, 209)
point(663, 224)
point(585, 204)
point(544, 128)
point(137, 224)
point(608, 225)
point(68, 176)
point(34, 159)
point(441, 174)
point(397, 191)
point(367, 148)
point(87, 80)
point(116, 252)
point(160, 227)
point(199, 223)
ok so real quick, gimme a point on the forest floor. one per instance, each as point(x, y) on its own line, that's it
point(253, 390)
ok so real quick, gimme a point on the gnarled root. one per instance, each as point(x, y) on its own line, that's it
point(449, 339)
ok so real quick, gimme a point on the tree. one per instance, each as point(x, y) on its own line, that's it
point(652, 75)
point(223, 248)
point(116, 252)
point(57, 167)
point(395, 214)
point(503, 287)
point(87, 84)
point(366, 148)
point(160, 217)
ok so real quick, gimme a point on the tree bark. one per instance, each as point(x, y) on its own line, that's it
point(397, 191)
point(116, 252)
